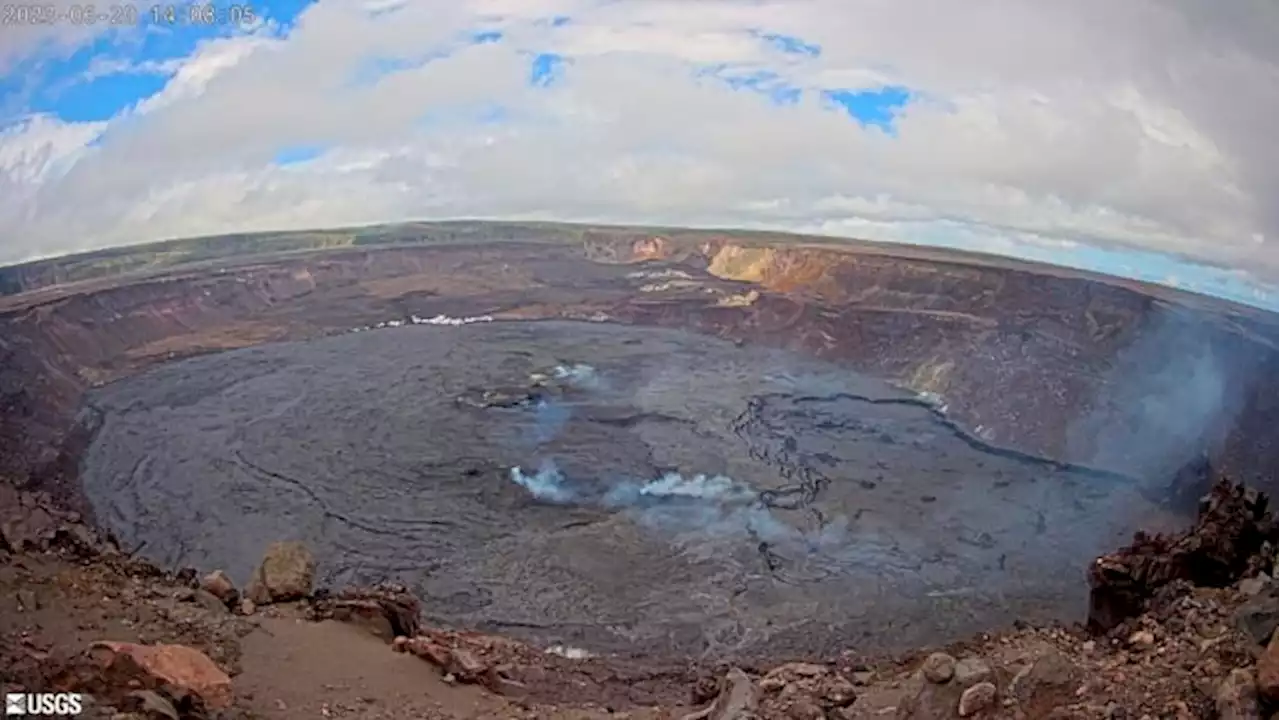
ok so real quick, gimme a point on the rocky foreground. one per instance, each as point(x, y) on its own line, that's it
point(1180, 627)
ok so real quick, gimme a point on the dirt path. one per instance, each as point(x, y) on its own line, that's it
point(293, 669)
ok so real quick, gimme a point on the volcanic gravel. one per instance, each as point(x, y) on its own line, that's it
point(834, 510)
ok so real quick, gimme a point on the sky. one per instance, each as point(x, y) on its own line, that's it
point(1135, 138)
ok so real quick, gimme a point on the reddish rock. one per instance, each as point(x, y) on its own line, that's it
point(424, 648)
point(653, 248)
point(176, 665)
point(798, 685)
point(220, 586)
point(388, 611)
point(1267, 671)
point(784, 675)
point(465, 666)
point(1237, 697)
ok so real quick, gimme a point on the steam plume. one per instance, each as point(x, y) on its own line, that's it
point(675, 486)
point(1163, 401)
point(548, 484)
point(578, 374)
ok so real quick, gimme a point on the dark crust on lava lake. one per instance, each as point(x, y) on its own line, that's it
point(865, 519)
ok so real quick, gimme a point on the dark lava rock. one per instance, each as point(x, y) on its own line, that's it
point(1230, 540)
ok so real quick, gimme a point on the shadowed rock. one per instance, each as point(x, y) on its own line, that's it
point(388, 611)
point(1233, 537)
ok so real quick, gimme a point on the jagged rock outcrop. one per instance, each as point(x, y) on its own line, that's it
point(1233, 537)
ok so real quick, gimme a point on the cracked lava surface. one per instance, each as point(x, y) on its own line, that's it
point(837, 510)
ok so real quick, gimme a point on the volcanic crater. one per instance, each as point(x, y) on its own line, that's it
point(670, 443)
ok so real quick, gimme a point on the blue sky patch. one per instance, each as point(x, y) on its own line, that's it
point(790, 44)
point(1160, 268)
point(546, 69)
point(122, 66)
point(283, 12)
point(1144, 265)
point(100, 99)
point(871, 108)
point(76, 88)
point(763, 82)
point(486, 36)
point(294, 154)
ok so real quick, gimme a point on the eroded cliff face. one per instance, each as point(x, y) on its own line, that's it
point(1061, 366)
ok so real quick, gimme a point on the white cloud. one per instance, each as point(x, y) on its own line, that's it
point(211, 58)
point(1145, 124)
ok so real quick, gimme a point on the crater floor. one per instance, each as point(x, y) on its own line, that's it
point(677, 494)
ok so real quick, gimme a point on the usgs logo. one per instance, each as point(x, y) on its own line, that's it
point(46, 704)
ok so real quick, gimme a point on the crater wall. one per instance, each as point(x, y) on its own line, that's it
point(1080, 369)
